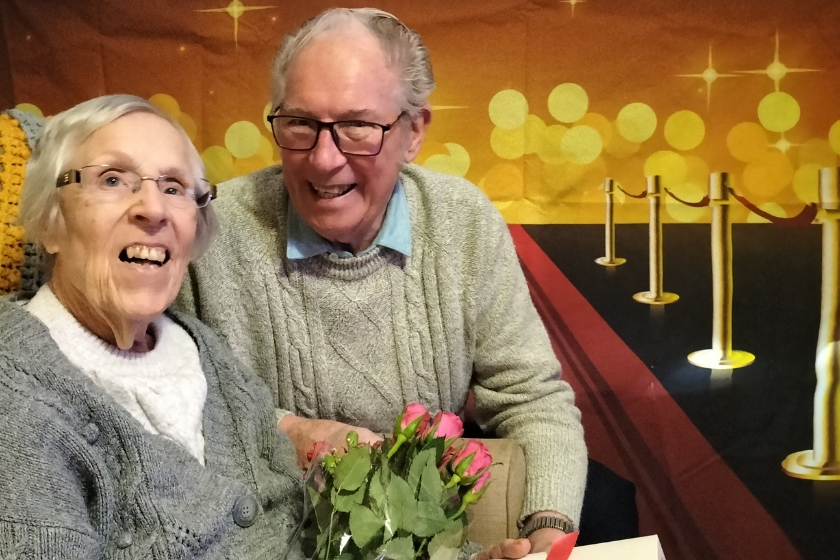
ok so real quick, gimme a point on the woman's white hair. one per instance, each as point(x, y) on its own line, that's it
point(40, 212)
point(403, 49)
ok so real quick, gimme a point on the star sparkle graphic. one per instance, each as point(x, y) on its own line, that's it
point(235, 10)
point(709, 75)
point(776, 70)
point(783, 144)
point(572, 3)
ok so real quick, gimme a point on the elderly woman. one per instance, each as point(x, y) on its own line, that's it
point(129, 431)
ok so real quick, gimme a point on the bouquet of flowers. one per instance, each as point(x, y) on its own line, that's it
point(401, 500)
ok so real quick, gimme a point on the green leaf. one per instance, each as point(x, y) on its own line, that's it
point(417, 465)
point(447, 544)
point(364, 524)
point(344, 501)
point(402, 507)
point(353, 469)
point(401, 548)
point(430, 519)
point(431, 486)
point(377, 496)
point(437, 445)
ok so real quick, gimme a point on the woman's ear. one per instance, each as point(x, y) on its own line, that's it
point(54, 232)
point(417, 133)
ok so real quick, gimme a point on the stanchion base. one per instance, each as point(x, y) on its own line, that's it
point(650, 299)
point(603, 261)
point(801, 465)
point(712, 359)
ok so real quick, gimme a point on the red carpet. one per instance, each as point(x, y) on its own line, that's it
point(686, 493)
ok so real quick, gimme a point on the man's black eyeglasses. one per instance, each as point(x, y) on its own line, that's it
point(355, 138)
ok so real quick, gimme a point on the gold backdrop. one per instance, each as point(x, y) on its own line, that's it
point(537, 102)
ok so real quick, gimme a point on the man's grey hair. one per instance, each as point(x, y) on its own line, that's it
point(403, 49)
point(40, 212)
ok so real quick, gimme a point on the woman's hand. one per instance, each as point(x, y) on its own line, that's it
point(509, 548)
point(304, 432)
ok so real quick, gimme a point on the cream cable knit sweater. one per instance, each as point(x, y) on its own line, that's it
point(356, 339)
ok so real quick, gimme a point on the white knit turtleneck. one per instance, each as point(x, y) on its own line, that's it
point(164, 389)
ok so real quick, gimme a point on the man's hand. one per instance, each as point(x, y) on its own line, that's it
point(509, 548)
point(305, 432)
point(542, 539)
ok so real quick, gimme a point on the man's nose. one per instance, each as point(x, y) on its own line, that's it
point(326, 154)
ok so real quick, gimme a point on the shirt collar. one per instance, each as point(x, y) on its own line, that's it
point(303, 242)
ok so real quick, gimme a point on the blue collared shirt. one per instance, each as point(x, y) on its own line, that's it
point(303, 242)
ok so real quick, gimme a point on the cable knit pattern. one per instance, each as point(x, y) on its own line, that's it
point(356, 339)
point(81, 478)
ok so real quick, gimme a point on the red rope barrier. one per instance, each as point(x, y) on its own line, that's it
point(643, 195)
point(701, 204)
point(804, 218)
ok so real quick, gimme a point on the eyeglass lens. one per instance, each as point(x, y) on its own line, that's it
point(181, 191)
point(352, 137)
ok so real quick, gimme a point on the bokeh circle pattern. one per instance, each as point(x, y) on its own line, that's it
point(242, 139)
point(581, 144)
point(834, 137)
point(503, 183)
point(670, 166)
point(550, 148)
point(508, 109)
point(508, 144)
point(30, 108)
point(684, 130)
point(769, 175)
point(167, 104)
point(778, 111)
point(747, 141)
point(218, 164)
point(636, 122)
point(806, 183)
point(568, 102)
point(456, 163)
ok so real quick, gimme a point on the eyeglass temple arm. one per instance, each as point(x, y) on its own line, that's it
point(68, 178)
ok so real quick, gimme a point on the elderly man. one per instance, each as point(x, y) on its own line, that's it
point(355, 283)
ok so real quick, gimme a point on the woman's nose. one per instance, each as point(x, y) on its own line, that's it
point(149, 205)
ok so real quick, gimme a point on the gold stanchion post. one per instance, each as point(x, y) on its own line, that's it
point(823, 462)
point(655, 296)
point(721, 355)
point(609, 258)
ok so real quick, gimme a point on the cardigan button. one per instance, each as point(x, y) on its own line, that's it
point(245, 511)
point(124, 540)
point(91, 433)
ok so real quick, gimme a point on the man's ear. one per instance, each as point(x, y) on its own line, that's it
point(417, 133)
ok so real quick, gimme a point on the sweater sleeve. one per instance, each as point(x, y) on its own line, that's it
point(50, 489)
point(517, 385)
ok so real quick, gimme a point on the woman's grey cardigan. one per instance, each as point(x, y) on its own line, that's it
point(81, 478)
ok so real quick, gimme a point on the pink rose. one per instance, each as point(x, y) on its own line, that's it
point(479, 484)
point(471, 461)
point(414, 418)
point(444, 425)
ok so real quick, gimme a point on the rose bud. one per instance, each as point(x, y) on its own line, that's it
point(474, 494)
point(444, 425)
point(470, 463)
point(415, 417)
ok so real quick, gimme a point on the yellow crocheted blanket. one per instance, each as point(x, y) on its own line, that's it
point(14, 152)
